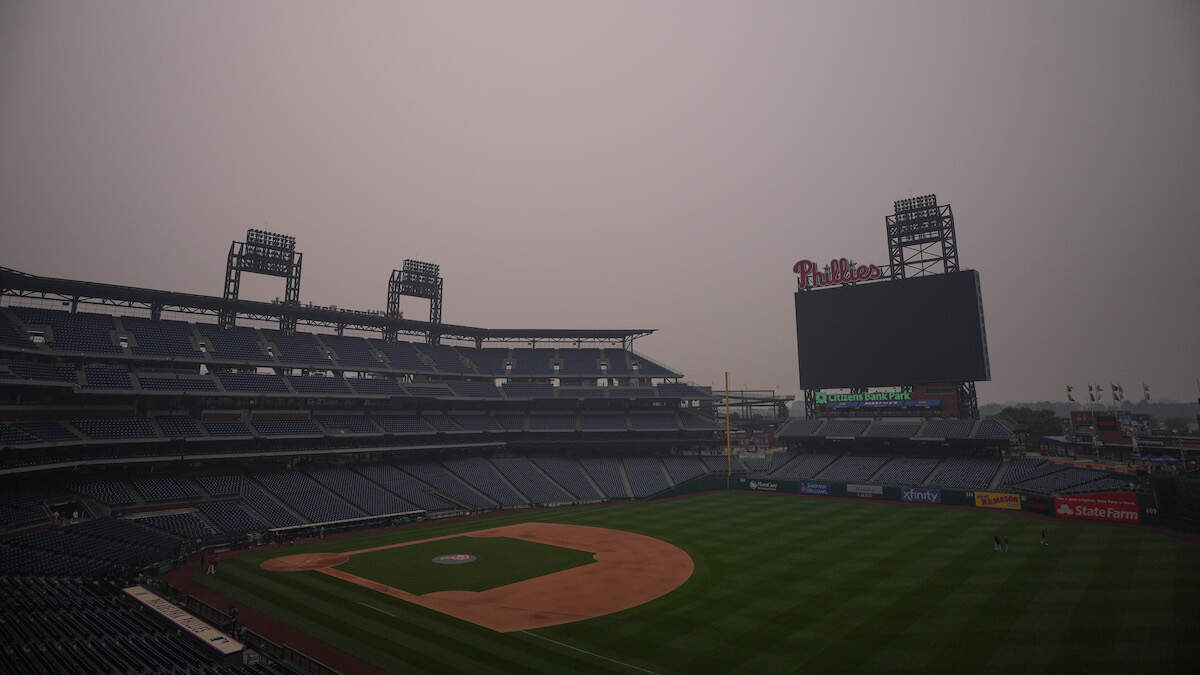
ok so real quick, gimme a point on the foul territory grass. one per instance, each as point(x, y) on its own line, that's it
point(499, 561)
point(789, 584)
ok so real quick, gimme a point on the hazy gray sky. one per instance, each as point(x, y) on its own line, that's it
point(629, 164)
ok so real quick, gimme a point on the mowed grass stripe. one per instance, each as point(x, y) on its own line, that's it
point(823, 630)
point(784, 584)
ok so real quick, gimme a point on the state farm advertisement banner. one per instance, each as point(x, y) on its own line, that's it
point(998, 500)
point(1117, 507)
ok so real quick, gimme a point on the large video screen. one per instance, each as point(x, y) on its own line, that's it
point(912, 331)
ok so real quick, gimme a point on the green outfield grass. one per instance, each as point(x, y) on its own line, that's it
point(499, 561)
point(786, 584)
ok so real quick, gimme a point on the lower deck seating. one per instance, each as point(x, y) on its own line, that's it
point(852, 468)
point(606, 472)
point(803, 467)
point(483, 477)
point(448, 485)
point(567, 472)
point(965, 473)
point(646, 476)
point(306, 496)
point(527, 478)
point(906, 471)
point(411, 490)
point(61, 625)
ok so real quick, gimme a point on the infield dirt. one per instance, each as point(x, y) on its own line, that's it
point(630, 570)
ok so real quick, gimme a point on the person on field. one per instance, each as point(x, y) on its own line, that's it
point(996, 543)
point(1044, 542)
point(1006, 544)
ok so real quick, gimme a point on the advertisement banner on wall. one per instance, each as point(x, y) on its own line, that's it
point(1038, 504)
point(1116, 507)
point(764, 485)
point(808, 488)
point(865, 491)
point(998, 500)
point(921, 495)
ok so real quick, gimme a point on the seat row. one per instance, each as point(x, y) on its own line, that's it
point(90, 333)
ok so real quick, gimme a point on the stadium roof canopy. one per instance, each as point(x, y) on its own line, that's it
point(20, 284)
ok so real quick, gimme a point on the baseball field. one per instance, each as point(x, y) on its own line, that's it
point(738, 582)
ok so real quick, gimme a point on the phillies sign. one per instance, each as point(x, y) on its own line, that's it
point(839, 271)
point(1118, 507)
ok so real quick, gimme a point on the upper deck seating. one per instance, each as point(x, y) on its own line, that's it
point(579, 362)
point(445, 359)
point(893, 430)
point(267, 383)
point(403, 356)
point(297, 348)
point(375, 386)
point(939, 428)
point(352, 351)
point(653, 421)
point(798, 428)
point(844, 428)
point(161, 338)
point(106, 377)
point(81, 332)
point(528, 390)
point(113, 429)
point(319, 384)
point(239, 343)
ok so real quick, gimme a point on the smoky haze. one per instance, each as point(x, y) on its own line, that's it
point(629, 164)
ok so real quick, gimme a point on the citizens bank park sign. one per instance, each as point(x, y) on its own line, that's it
point(838, 271)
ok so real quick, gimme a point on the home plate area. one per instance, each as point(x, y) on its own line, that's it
point(516, 577)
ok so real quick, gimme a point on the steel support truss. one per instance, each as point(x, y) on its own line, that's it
point(271, 255)
point(416, 279)
point(921, 238)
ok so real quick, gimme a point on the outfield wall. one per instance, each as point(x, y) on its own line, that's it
point(1116, 507)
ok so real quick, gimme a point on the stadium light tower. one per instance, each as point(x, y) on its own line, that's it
point(921, 238)
point(266, 253)
point(416, 279)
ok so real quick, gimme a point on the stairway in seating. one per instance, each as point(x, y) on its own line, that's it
point(936, 468)
point(999, 474)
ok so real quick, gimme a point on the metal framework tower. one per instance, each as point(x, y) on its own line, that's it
point(416, 279)
point(921, 238)
point(269, 254)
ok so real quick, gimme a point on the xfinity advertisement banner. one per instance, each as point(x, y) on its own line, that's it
point(921, 495)
point(806, 488)
point(1117, 507)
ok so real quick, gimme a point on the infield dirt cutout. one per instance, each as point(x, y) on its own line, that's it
point(630, 570)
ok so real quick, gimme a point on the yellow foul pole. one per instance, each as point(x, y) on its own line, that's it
point(728, 440)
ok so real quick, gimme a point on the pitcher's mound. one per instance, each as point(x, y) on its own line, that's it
point(304, 561)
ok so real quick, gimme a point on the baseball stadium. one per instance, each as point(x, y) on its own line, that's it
point(210, 484)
